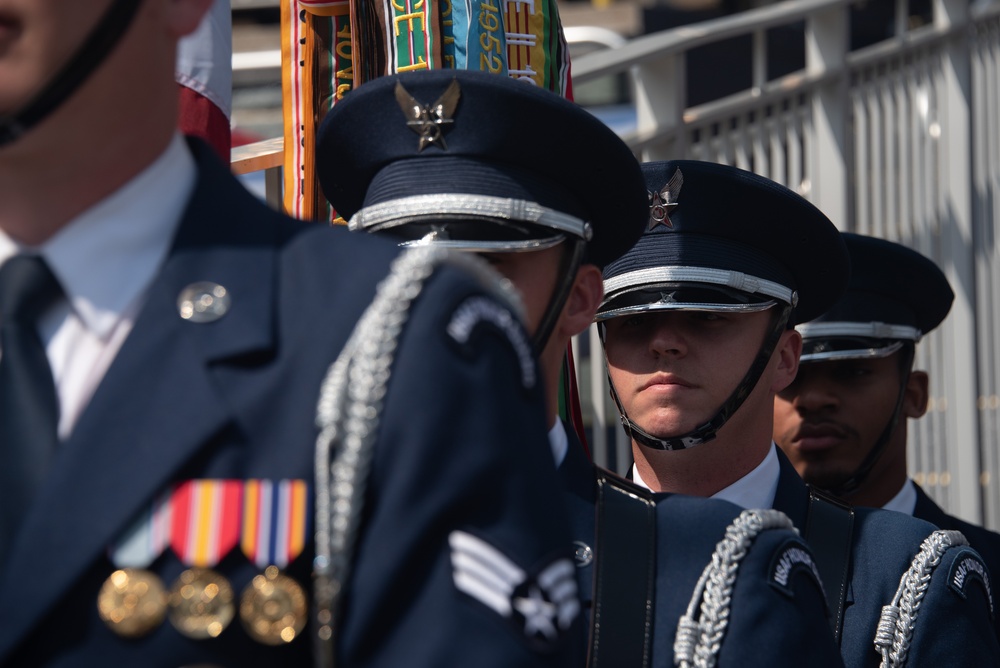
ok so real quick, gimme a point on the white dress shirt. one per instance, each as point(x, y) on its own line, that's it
point(754, 490)
point(105, 260)
point(558, 441)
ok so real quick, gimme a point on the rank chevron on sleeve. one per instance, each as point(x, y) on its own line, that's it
point(543, 606)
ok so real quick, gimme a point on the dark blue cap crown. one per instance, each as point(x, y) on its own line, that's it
point(411, 138)
point(895, 294)
point(739, 233)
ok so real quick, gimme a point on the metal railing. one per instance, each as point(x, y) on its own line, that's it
point(899, 138)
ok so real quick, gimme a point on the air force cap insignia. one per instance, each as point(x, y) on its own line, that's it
point(429, 122)
point(663, 202)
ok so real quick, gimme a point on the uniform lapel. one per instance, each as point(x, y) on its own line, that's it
point(155, 408)
point(926, 509)
point(792, 496)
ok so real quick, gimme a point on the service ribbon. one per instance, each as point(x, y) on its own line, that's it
point(206, 520)
point(276, 521)
point(146, 538)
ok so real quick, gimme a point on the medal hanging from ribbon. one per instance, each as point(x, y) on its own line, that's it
point(133, 600)
point(205, 527)
point(276, 522)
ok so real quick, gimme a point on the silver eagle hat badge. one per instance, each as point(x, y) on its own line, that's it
point(663, 202)
point(429, 121)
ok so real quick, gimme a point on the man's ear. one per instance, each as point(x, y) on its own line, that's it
point(916, 394)
point(787, 352)
point(584, 298)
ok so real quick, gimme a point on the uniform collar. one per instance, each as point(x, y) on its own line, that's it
point(754, 490)
point(905, 500)
point(127, 235)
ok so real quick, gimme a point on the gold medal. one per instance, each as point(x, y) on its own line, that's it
point(132, 602)
point(201, 603)
point(273, 608)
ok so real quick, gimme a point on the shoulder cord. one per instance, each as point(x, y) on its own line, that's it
point(698, 641)
point(896, 624)
point(348, 413)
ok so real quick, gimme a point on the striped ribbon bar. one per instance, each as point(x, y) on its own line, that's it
point(147, 538)
point(205, 524)
point(276, 521)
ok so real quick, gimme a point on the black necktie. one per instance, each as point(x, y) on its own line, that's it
point(29, 407)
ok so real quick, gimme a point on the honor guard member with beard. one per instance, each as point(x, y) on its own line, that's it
point(842, 422)
point(549, 195)
point(697, 327)
point(157, 499)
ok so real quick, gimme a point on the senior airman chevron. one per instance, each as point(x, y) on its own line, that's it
point(542, 606)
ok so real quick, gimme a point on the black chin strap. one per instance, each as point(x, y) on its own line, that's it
point(708, 430)
point(852, 484)
point(80, 66)
point(569, 264)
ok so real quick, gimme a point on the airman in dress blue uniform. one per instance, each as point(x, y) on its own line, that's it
point(843, 422)
point(697, 325)
point(167, 497)
point(549, 195)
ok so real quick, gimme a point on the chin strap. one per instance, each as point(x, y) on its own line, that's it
point(569, 264)
point(707, 431)
point(80, 66)
point(853, 483)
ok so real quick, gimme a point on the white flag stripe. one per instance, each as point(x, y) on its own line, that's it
point(487, 596)
point(467, 565)
point(205, 57)
point(556, 571)
point(487, 554)
point(264, 524)
point(280, 556)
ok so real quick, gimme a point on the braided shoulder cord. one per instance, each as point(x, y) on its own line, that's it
point(698, 640)
point(348, 414)
point(896, 624)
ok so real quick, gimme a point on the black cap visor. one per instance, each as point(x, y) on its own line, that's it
point(683, 296)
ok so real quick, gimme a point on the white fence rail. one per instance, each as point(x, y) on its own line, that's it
point(899, 139)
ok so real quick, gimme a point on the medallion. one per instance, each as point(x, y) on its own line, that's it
point(201, 603)
point(132, 602)
point(273, 608)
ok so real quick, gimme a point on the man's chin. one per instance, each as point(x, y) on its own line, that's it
point(822, 477)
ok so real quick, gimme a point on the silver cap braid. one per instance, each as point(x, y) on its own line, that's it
point(698, 640)
point(348, 414)
point(896, 624)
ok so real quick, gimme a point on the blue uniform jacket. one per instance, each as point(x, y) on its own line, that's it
point(770, 625)
point(236, 399)
point(985, 542)
point(954, 626)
